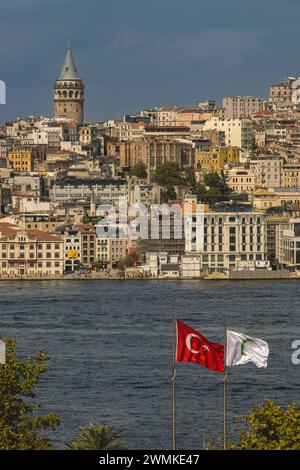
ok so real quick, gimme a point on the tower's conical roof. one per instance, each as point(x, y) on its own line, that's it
point(69, 71)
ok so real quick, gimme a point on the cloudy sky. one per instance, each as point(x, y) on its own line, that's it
point(134, 54)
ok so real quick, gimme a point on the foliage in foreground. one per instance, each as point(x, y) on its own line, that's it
point(270, 427)
point(20, 424)
point(97, 437)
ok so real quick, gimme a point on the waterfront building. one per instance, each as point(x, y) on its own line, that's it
point(72, 249)
point(30, 253)
point(288, 244)
point(191, 266)
point(87, 244)
point(169, 232)
point(233, 238)
point(110, 250)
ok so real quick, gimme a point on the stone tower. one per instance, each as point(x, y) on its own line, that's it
point(69, 91)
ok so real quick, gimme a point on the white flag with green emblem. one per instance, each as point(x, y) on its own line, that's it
point(242, 349)
point(2, 352)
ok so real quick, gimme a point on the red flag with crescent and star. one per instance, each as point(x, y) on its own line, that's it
point(194, 347)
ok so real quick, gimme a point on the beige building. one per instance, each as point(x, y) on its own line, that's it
point(165, 116)
point(275, 197)
point(268, 170)
point(131, 130)
point(237, 107)
point(38, 221)
point(232, 239)
point(288, 244)
point(111, 250)
point(30, 253)
point(280, 95)
point(86, 135)
point(240, 179)
point(291, 175)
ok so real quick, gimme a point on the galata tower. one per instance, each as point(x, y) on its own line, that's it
point(69, 91)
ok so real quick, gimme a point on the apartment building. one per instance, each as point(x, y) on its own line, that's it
point(101, 191)
point(156, 152)
point(240, 179)
point(280, 95)
point(215, 158)
point(268, 170)
point(21, 159)
point(238, 132)
point(87, 243)
point(274, 220)
point(165, 116)
point(264, 199)
point(233, 238)
point(110, 250)
point(288, 244)
point(291, 175)
point(237, 107)
point(72, 249)
point(165, 233)
point(30, 253)
point(37, 221)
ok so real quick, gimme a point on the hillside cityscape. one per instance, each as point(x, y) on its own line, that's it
point(231, 171)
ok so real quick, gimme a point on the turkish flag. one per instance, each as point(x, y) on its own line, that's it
point(194, 347)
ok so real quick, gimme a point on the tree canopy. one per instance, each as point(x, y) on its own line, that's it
point(271, 427)
point(21, 425)
point(139, 170)
point(169, 175)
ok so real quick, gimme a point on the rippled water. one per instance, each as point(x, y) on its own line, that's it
point(110, 348)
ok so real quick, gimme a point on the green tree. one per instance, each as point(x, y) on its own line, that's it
point(218, 184)
point(139, 170)
point(271, 427)
point(168, 175)
point(168, 194)
point(21, 426)
point(98, 265)
point(98, 437)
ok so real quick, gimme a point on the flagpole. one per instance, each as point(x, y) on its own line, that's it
point(173, 384)
point(225, 390)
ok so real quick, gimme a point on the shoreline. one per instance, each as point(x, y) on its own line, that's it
point(207, 278)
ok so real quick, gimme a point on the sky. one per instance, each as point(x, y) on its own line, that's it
point(135, 54)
